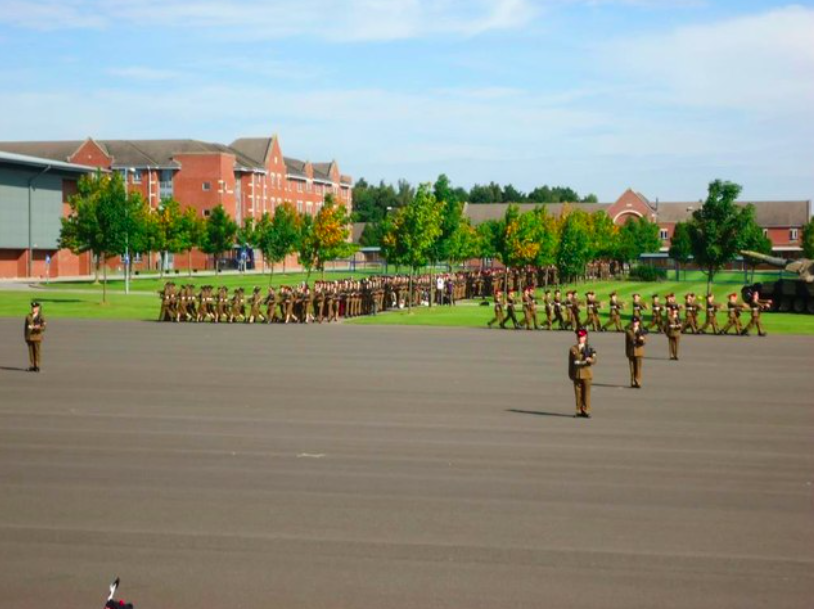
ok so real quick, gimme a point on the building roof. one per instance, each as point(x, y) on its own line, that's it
point(254, 148)
point(322, 171)
point(769, 214)
point(295, 168)
point(357, 228)
point(11, 158)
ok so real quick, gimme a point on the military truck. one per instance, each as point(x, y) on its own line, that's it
point(788, 295)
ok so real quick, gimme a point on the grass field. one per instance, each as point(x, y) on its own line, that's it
point(82, 300)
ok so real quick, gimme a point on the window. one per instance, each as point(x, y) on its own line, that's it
point(299, 186)
point(165, 184)
point(137, 176)
point(663, 234)
point(765, 232)
point(206, 186)
point(206, 213)
point(309, 208)
point(793, 234)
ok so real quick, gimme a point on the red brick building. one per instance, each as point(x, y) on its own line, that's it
point(782, 221)
point(249, 177)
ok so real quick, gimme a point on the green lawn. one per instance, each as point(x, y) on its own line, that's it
point(143, 303)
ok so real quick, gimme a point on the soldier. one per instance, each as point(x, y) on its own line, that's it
point(657, 317)
point(254, 307)
point(672, 328)
point(635, 338)
point(574, 318)
point(498, 318)
point(756, 305)
point(638, 307)
point(592, 309)
point(734, 313)
point(167, 303)
point(510, 311)
point(581, 357)
point(615, 315)
point(711, 319)
point(690, 314)
point(558, 309)
point(530, 309)
point(549, 309)
point(33, 333)
point(271, 306)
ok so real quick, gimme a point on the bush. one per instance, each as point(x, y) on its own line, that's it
point(642, 272)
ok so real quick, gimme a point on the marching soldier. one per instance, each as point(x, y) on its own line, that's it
point(690, 314)
point(671, 303)
point(615, 315)
point(634, 349)
point(549, 310)
point(530, 309)
point(168, 311)
point(558, 308)
point(756, 305)
point(498, 318)
point(657, 317)
point(254, 307)
point(711, 320)
point(574, 318)
point(592, 309)
point(510, 311)
point(33, 333)
point(271, 306)
point(673, 331)
point(581, 357)
point(734, 314)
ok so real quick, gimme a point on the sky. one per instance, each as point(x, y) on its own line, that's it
point(659, 95)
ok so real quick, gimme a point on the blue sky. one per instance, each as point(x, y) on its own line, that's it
point(659, 95)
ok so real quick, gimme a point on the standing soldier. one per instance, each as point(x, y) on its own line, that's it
point(33, 331)
point(615, 315)
point(592, 309)
point(711, 319)
point(673, 331)
point(634, 349)
point(498, 318)
point(656, 318)
point(581, 357)
point(756, 305)
point(734, 312)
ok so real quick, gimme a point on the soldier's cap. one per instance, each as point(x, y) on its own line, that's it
point(710, 295)
point(655, 295)
point(613, 293)
point(582, 332)
point(34, 303)
point(732, 295)
point(634, 319)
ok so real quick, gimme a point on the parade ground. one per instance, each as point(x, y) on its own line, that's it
point(354, 466)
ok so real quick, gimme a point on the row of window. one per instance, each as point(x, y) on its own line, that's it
point(794, 234)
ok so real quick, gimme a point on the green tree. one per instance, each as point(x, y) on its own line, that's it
point(716, 229)
point(575, 244)
point(191, 234)
point(105, 220)
point(488, 237)
point(753, 238)
point(680, 246)
point(284, 234)
point(412, 232)
point(331, 233)
point(604, 236)
point(489, 193)
point(808, 239)
point(637, 236)
point(511, 195)
point(547, 235)
point(307, 245)
point(219, 234)
point(167, 230)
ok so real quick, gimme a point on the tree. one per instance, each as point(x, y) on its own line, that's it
point(575, 244)
point(191, 234)
point(511, 195)
point(491, 193)
point(245, 238)
point(219, 234)
point(167, 230)
point(306, 245)
point(488, 237)
point(716, 229)
point(105, 220)
point(284, 235)
point(808, 239)
point(637, 236)
point(680, 246)
point(411, 233)
point(331, 233)
point(604, 236)
point(548, 236)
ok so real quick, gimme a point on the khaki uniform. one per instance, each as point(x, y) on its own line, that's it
point(755, 308)
point(734, 312)
point(581, 374)
point(33, 333)
point(634, 349)
point(498, 318)
point(711, 320)
point(615, 316)
point(673, 331)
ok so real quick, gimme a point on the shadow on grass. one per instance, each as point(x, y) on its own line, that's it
point(540, 413)
point(60, 300)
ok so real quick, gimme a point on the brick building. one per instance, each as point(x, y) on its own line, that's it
point(249, 177)
point(782, 221)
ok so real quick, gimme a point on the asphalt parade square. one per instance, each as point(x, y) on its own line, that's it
point(351, 466)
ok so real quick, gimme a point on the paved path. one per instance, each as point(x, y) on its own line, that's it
point(350, 466)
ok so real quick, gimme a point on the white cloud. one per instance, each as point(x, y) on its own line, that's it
point(338, 20)
point(757, 63)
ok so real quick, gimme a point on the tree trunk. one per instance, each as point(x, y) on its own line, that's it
point(96, 261)
point(410, 293)
point(432, 283)
point(161, 263)
point(271, 275)
point(104, 279)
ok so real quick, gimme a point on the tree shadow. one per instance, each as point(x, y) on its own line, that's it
point(540, 413)
point(59, 300)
